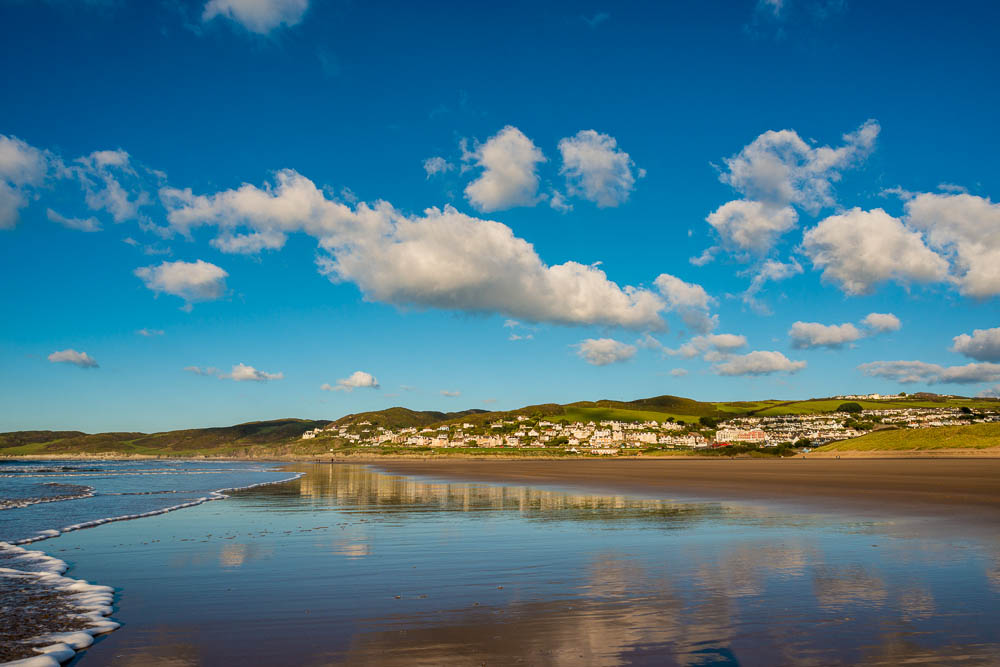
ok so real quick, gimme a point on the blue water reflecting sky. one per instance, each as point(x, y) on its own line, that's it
point(111, 488)
point(350, 566)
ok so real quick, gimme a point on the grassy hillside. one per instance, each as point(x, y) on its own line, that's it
point(743, 407)
point(658, 408)
point(575, 413)
point(401, 417)
point(217, 441)
point(283, 436)
point(816, 406)
point(665, 404)
point(972, 436)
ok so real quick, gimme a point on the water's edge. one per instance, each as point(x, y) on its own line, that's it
point(93, 602)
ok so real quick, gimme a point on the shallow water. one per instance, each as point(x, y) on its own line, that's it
point(37, 498)
point(349, 566)
point(41, 610)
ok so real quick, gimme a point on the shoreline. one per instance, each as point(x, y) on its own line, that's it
point(923, 454)
point(409, 599)
point(953, 488)
point(93, 603)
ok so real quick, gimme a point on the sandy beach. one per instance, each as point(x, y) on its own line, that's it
point(953, 487)
point(345, 565)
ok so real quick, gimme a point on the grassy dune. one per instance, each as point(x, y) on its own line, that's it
point(973, 436)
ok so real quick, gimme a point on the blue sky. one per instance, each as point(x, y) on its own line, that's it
point(212, 212)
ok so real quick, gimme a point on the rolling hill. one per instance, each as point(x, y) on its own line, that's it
point(283, 436)
point(216, 441)
point(972, 437)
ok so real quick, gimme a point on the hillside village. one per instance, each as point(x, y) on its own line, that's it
point(611, 437)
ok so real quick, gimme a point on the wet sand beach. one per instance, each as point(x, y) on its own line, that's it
point(959, 488)
point(346, 565)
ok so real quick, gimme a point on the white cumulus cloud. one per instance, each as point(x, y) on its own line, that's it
point(758, 362)
point(713, 346)
point(966, 229)
point(596, 169)
point(688, 300)
point(907, 372)
point(192, 281)
point(813, 334)
point(806, 335)
point(450, 394)
point(81, 359)
point(509, 161)
point(259, 16)
point(22, 168)
point(748, 227)
point(109, 179)
point(858, 249)
point(604, 351)
point(441, 259)
point(882, 322)
point(780, 168)
point(356, 380)
point(983, 344)
point(775, 172)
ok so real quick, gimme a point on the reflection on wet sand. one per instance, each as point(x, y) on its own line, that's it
point(362, 568)
point(361, 489)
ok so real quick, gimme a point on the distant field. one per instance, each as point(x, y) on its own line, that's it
point(581, 414)
point(829, 405)
point(745, 406)
point(973, 436)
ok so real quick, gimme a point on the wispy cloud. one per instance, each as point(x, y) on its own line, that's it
point(597, 19)
point(80, 359)
point(240, 373)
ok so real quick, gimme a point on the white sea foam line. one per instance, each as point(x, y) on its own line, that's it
point(219, 494)
point(113, 473)
point(94, 601)
point(10, 504)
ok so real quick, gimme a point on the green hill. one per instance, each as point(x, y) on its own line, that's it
point(971, 436)
point(820, 405)
point(283, 436)
point(402, 417)
point(217, 441)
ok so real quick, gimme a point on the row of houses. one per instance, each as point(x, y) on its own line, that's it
point(604, 436)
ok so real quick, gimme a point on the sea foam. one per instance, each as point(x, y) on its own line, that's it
point(91, 602)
